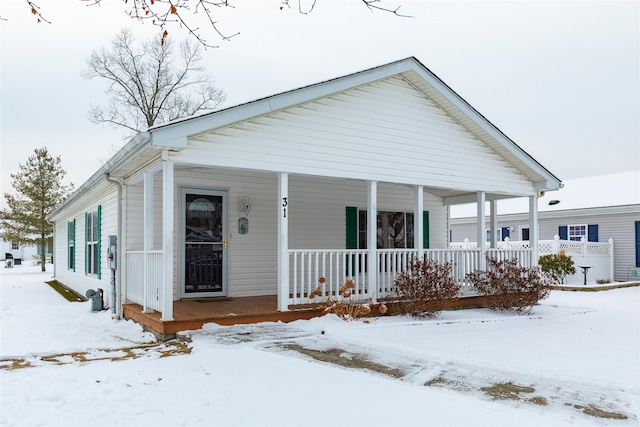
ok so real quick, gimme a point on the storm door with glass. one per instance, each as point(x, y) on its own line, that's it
point(204, 236)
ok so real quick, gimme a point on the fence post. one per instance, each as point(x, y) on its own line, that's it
point(611, 265)
point(583, 248)
point(555, 246)
point(506, 243)
point(466, 243)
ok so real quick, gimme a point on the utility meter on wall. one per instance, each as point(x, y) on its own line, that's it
point(112, 251)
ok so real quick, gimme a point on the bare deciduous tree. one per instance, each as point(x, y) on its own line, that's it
point(184, 13)
point(150, 83)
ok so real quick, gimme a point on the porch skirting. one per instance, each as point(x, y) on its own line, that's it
point(193, 314)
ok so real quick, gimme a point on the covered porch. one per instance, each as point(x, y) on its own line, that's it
point(302, 277)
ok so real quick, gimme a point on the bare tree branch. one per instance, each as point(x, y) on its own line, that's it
point(149, 84)
point(35, 10)
point(184, 14)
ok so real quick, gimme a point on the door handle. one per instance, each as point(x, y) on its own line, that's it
point(224, 243)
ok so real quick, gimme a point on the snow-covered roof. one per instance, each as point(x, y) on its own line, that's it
point(617, 189)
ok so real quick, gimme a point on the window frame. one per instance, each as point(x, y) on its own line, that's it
point(577, 237)
point(71, 245)
point(93, 233)
point(356, 228)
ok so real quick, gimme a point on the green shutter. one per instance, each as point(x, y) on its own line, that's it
point(425, 229)
point(86, 243)
point(352, 228)
point(75, 245)
point(592, 232)
point(637, 225)
point(99, 257)
point(69, 245)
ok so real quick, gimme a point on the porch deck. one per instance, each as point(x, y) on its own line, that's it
point(193, 314)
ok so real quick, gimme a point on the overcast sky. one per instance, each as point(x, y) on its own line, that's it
point(561, 79)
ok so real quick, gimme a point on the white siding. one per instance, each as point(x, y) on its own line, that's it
point(78, 280)
point(387, 131)
point(317, 219)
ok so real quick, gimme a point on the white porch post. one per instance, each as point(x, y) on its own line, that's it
point(122, 254)
point(482, 233)
point(418, 223)
point(534, 234)
point(372, 240)
point(168, 250)
point(283, 242)
point(493, 214)
point(148, 239)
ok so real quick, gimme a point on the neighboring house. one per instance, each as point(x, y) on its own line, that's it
point(275, 196)
point(20, 253)
point(596, 208)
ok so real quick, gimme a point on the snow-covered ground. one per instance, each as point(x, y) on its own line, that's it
point(574, 361)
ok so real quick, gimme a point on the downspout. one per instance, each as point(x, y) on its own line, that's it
point(53, 252)
point(116, 303)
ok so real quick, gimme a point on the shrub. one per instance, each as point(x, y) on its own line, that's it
point(603, 281)
point(425, 287)
point(558, 266)
point(346, 305)
point(510, 286)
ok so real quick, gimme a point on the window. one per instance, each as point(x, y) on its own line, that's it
point(577, 232)
point(394, 229)
point(637, 225)
point(14, 246)
point(92, 249)
point(524, 233)
point(71, 245)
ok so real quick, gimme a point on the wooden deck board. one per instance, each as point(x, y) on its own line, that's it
point(193, 314)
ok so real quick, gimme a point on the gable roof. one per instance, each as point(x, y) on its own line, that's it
point(146, 147)
point(174, 134)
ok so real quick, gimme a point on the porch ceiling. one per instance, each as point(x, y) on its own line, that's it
point(142, 161)
point(450, 196)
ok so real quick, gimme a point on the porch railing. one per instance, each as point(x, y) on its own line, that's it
point(327, 270)
point(147, 292)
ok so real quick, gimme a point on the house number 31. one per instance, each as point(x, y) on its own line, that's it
point(284, 206)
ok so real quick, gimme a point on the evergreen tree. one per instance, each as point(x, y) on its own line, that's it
point(38, 191)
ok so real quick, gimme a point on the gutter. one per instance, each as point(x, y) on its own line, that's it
point(135, 144)
point(117, 291)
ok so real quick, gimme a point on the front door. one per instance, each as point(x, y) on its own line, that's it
point(204, 236)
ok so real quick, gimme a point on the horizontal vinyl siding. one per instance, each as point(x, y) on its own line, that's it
point(386, 131)
point(78, 280)
point(251, 258)
point(616, 226)
point(316, 221)
point(135, 215)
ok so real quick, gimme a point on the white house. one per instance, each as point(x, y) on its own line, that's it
point(20, 253)
point(268, 197)
point(596, 208)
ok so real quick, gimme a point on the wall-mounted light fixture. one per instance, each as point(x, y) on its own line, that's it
point(244, 205)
